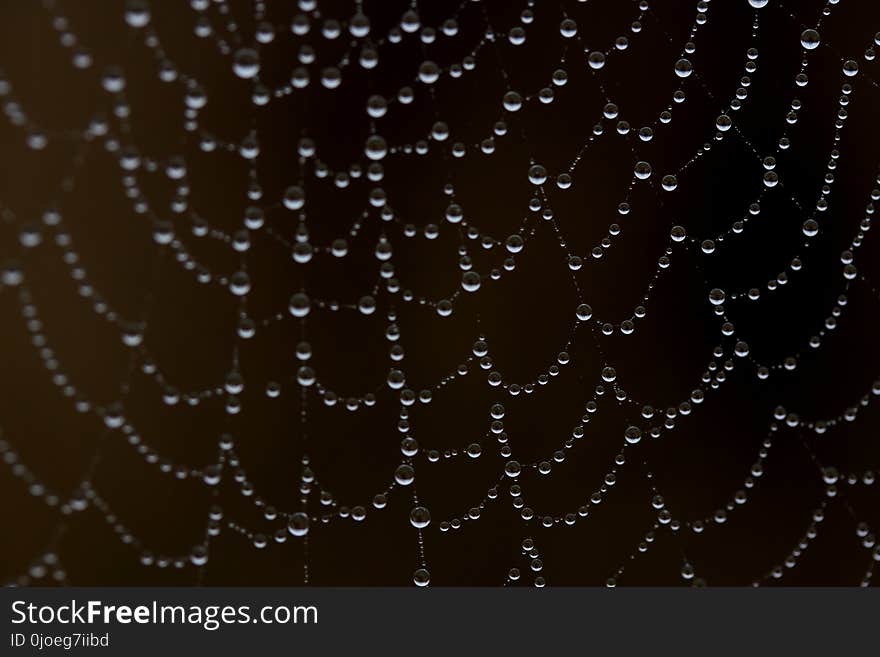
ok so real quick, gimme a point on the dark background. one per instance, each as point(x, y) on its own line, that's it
point(527, 316)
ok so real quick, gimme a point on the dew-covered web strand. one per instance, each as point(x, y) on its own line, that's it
point(213, 22)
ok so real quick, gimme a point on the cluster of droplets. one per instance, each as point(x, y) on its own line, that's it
point(213, 21)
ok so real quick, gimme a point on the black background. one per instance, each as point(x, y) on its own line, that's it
point(526, 316)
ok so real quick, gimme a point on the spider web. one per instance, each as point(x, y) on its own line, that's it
point(452, 293)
